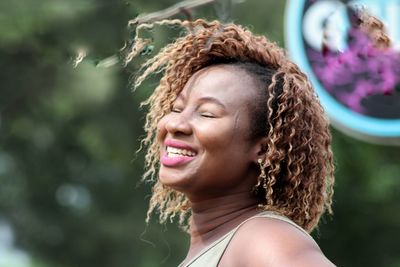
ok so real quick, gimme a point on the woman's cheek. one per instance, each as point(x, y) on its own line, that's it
point(215, 134)
point(161, 130)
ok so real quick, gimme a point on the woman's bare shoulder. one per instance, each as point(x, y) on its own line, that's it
point(273, 242)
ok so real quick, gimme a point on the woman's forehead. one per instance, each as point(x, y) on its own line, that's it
point(227, 83)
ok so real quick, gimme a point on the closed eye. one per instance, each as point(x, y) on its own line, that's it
point(207, 115)
point(176, 110)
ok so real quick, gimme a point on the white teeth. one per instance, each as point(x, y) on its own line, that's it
point(174, 152)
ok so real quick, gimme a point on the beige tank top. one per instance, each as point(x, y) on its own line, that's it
point(211, 255)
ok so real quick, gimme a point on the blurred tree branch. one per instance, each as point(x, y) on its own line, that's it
point(180, 7)
point(183, 7)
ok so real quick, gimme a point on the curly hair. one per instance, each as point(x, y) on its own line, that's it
point(298, 159)
point(373, 28)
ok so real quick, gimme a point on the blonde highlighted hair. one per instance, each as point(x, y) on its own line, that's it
point(298, 160)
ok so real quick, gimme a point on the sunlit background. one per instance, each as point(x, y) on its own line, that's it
point(69, 172)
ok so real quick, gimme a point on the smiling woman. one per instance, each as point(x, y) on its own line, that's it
point(240, 149)
point(210, 118)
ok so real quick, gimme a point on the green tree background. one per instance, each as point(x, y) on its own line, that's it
point(69, 174)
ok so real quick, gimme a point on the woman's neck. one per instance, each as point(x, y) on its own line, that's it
point(214, 217)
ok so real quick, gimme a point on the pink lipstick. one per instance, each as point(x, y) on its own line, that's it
point(174, 161)
point(177, 153)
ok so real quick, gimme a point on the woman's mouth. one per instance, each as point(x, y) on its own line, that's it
point(175, 152)
point(174, 156)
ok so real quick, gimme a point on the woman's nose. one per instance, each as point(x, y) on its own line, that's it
point(179, 124)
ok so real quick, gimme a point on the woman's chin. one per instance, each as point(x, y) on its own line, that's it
point(174, 181)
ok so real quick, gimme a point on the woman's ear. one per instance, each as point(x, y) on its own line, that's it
point(260, 148)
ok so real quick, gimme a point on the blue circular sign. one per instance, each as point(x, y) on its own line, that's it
point(374, 116)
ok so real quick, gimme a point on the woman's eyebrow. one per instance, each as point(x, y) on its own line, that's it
point(213, 100)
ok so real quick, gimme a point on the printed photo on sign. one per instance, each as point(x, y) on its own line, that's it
point(356, 72)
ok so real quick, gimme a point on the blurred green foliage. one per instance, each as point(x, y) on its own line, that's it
point(69, 174)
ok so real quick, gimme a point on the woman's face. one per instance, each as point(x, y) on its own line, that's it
point(205, 141)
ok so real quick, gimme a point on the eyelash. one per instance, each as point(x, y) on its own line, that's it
point(207, 115)
point(204, 114)
point(176, 110)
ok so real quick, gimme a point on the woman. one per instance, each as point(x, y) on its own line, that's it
point(241, 148)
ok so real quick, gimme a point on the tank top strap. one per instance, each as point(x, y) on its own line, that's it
point(211, 255)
